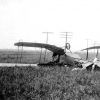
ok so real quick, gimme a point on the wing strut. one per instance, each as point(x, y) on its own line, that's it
point(87, 55)
point(40, 56)
point(97, 53)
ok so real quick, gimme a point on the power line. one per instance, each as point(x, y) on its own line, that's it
point(47, 35)
point(66, 36)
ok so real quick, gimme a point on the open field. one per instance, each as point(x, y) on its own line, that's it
point(91, 55)
point(30, 57)
point(57, 83)
point(45, 83)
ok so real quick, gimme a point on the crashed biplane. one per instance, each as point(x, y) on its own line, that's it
point(59, 56)
point(95, 64)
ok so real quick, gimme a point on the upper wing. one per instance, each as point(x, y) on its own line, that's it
point(94, 47)
point(52, 48)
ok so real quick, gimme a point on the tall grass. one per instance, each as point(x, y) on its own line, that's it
point(57, 83)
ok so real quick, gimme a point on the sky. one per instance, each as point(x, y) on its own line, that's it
point(26, 20)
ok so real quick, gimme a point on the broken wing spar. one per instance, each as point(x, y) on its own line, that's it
point(91, 48)
point(52, 48)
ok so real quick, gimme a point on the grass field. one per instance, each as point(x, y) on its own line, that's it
point(13, 56)
point(57, 83)
point(46, 83)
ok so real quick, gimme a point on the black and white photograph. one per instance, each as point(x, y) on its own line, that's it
point(49, 49)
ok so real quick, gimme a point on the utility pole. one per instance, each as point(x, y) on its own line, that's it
point(66, 36)
point(87, 49)
point(47, 33)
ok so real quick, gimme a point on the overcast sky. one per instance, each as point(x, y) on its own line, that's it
point(25, 20)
